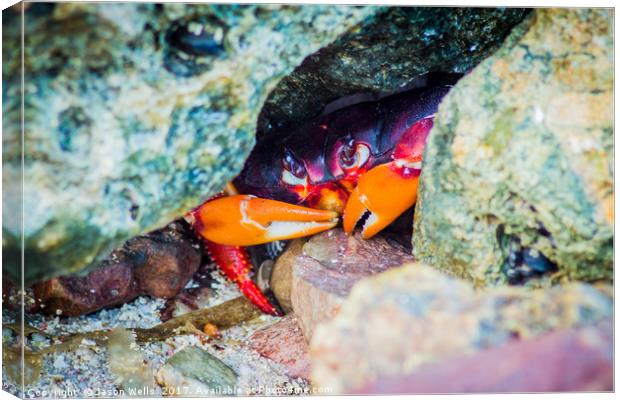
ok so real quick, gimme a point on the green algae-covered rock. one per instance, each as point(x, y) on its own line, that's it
point(522, 151)
point(390, 52)
point(198, 373)
point(134, 114)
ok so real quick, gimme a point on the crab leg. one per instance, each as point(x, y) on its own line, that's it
point(234, 262)
point(226, 223)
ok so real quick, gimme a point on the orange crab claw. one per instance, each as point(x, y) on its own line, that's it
point(385, 191)
point(244, 220)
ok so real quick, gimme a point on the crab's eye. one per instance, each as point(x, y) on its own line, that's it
point(353, 155)
point(294, 170)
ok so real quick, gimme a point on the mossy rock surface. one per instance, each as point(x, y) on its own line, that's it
point(522, 150)
point(136, 113)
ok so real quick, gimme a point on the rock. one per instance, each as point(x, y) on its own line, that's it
point(522, 153)
point(135, 114)
point(195, 372)
point(327, 268)
point(396, 322)
point(389, 52)
point(159, 264)
point(282, 274)
point(285, 344)
point(561, 361)
point(129, 366)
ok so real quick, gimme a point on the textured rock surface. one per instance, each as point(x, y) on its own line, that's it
point(129, 365)
point(135, 113)
point(390, 52)
point(522, 149)
point(329, 265)
point(398, 321)
point(159, 264)
point(193, 371)
point(282, 274)
point(563, 361)
point(284, 343)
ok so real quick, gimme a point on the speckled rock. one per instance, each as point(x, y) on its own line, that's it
point(328, 265)
point(390, 52)
point(400, 320)
point(135, 113)
point(285, 344)
point(570, 360)
point(520, 160)
point(194, 372)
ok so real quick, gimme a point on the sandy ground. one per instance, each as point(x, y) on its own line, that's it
point(85, 372)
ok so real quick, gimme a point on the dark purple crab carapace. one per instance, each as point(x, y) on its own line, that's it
point(361, 161)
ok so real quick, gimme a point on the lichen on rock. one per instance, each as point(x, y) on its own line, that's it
point(522, 151)
point(134, 114)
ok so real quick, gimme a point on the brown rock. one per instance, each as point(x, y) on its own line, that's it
point(561, 361)
point(282, 274)
point(396, 322)
point(328, 267)
point(158, 264)
point(284, 343)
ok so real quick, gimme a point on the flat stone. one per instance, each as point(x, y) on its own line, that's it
point(196, 372)
point(328, 266)
point(572, 360)
point(400, 320)
point(285, 344)
point(520, 159)
point(159, 264)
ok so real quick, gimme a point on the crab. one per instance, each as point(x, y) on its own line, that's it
point(362, 162)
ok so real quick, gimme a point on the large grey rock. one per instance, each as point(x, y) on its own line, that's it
point(520, 161)
point(135, 113)
point(390, 52)
point(131, 120)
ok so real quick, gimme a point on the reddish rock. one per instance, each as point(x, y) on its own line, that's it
point(407, 318)
point(158, 264)
point(561, 361)
point(327, 267)
point(284, 343)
